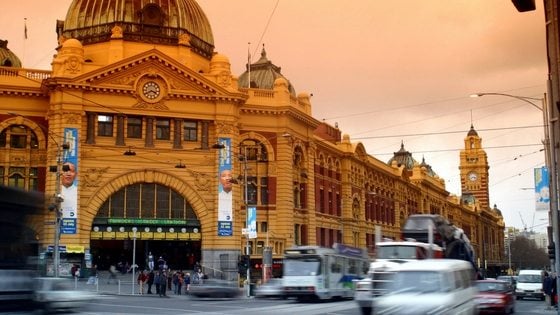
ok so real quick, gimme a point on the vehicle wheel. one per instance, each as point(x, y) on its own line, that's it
point(366, 310)
point(518, 298)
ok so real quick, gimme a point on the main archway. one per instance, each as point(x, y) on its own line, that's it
point(147, 217)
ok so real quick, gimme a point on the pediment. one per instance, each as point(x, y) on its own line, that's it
point(129, 74)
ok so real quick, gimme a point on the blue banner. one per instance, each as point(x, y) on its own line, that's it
point(542, 189)
point(225, 189)
point(69, 181)
point(252, 222)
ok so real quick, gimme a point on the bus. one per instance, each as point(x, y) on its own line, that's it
point(313, 272)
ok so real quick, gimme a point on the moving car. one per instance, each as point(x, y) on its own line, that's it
point(509, 279)
point(271, 289)
point(529, 284)
point(430, 286)
point(495, 297)
point(215, 288)
point(59, 294)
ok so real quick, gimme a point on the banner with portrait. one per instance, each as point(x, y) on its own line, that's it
point(69, 182)
point(225, 189)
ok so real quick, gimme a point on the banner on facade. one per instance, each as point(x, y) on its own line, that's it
point(542, 189)
point(252, 221)
point(69, 182)
point(225, 189)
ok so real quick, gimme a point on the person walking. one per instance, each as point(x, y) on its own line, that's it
point(187, 283)
point(179, 282)
point(157, 282)
point(150, 261)
point(175, 281)
point(547, 287)
point(142, 277)
point(163, 283)
point(150, 281)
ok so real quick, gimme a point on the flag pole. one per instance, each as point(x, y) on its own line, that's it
point(24, 40)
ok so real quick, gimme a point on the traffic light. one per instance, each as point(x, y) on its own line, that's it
point(243, 264)
point(551, 251)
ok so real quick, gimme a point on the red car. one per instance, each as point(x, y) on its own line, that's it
point(495, 297)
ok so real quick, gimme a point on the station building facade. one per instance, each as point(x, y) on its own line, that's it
point(147, 115)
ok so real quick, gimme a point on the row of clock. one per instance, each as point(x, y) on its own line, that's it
point(146, 229)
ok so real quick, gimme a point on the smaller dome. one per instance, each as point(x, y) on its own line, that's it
point(72, 43)
point(263, 75)
point(7, 57)
point(472, 132)
point(403, 157)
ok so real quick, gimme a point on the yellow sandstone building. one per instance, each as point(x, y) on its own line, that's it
point(147, 115)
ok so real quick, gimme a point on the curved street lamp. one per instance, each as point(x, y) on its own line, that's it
point(550, 161)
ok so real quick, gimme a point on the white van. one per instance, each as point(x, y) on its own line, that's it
point(529, 284)
point(431, 286)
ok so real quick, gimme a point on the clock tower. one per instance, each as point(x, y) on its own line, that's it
point(474, 169)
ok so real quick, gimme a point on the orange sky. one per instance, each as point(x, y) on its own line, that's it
point(383, 71)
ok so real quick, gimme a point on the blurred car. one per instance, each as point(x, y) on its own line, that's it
point(214, 288)
point(495, 297)
point(430, 286)
point(58, 294)
point(272, 289)
point(509, 279)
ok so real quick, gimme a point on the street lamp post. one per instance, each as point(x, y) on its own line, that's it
point(134, 229)
point(550, 161)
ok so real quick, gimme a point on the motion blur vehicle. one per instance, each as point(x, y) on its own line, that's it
point(495, 297)
point(529, 285)
point(18, 247)
point(389, 254)
point(58, 294)
point(512, 280)
point(272, 289)
point(215, 288)
point(430, 286)
point(313, 272)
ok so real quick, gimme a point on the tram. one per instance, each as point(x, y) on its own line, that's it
point(313, 272)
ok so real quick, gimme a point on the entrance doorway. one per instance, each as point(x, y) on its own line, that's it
point(179, 255)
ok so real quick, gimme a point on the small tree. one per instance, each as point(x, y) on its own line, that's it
point(526, 255)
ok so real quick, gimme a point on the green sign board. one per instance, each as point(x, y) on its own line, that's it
point(140, 221)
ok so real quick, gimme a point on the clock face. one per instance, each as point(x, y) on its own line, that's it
point(473, 176)
point(151, 90)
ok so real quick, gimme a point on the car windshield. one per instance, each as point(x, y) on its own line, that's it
point(418, 282)
point(308, 266)
point(491, 286)
point(529, 279)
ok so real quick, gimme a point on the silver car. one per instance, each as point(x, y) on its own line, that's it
point(58, 294)
point(272, 289)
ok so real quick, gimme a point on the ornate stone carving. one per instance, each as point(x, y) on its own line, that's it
point(91, 177)
point(184, 39)
point(73, 65)
point(117, 32)
point(155, 106)
point(201, 181)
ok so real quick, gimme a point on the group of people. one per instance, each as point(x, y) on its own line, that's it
point(550, 288)
point(164, 280)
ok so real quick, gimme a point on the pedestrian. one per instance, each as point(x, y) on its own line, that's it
point(112, 274)
point(157, 282)
point(187, 283)
point(179, 282)
point(141, 280)
point(150, 261)
point(93, 275)
point(553, 292)
point(163, 283)
point(547, 287)
point(175, 281)
point(150, 281)
point(160, 263)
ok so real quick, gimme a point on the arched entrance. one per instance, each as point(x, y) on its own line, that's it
point(143, 218)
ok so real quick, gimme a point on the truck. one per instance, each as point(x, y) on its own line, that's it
point(425, 236)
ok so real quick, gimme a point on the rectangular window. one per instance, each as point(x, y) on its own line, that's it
point(252, 186)
point(148, 200)
point(163, 129)
point(133, 201)
point(33, 179)
point(162, 202)
point(264, 190)
point(134, 127)
point(105, 125)
point(190, 130)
